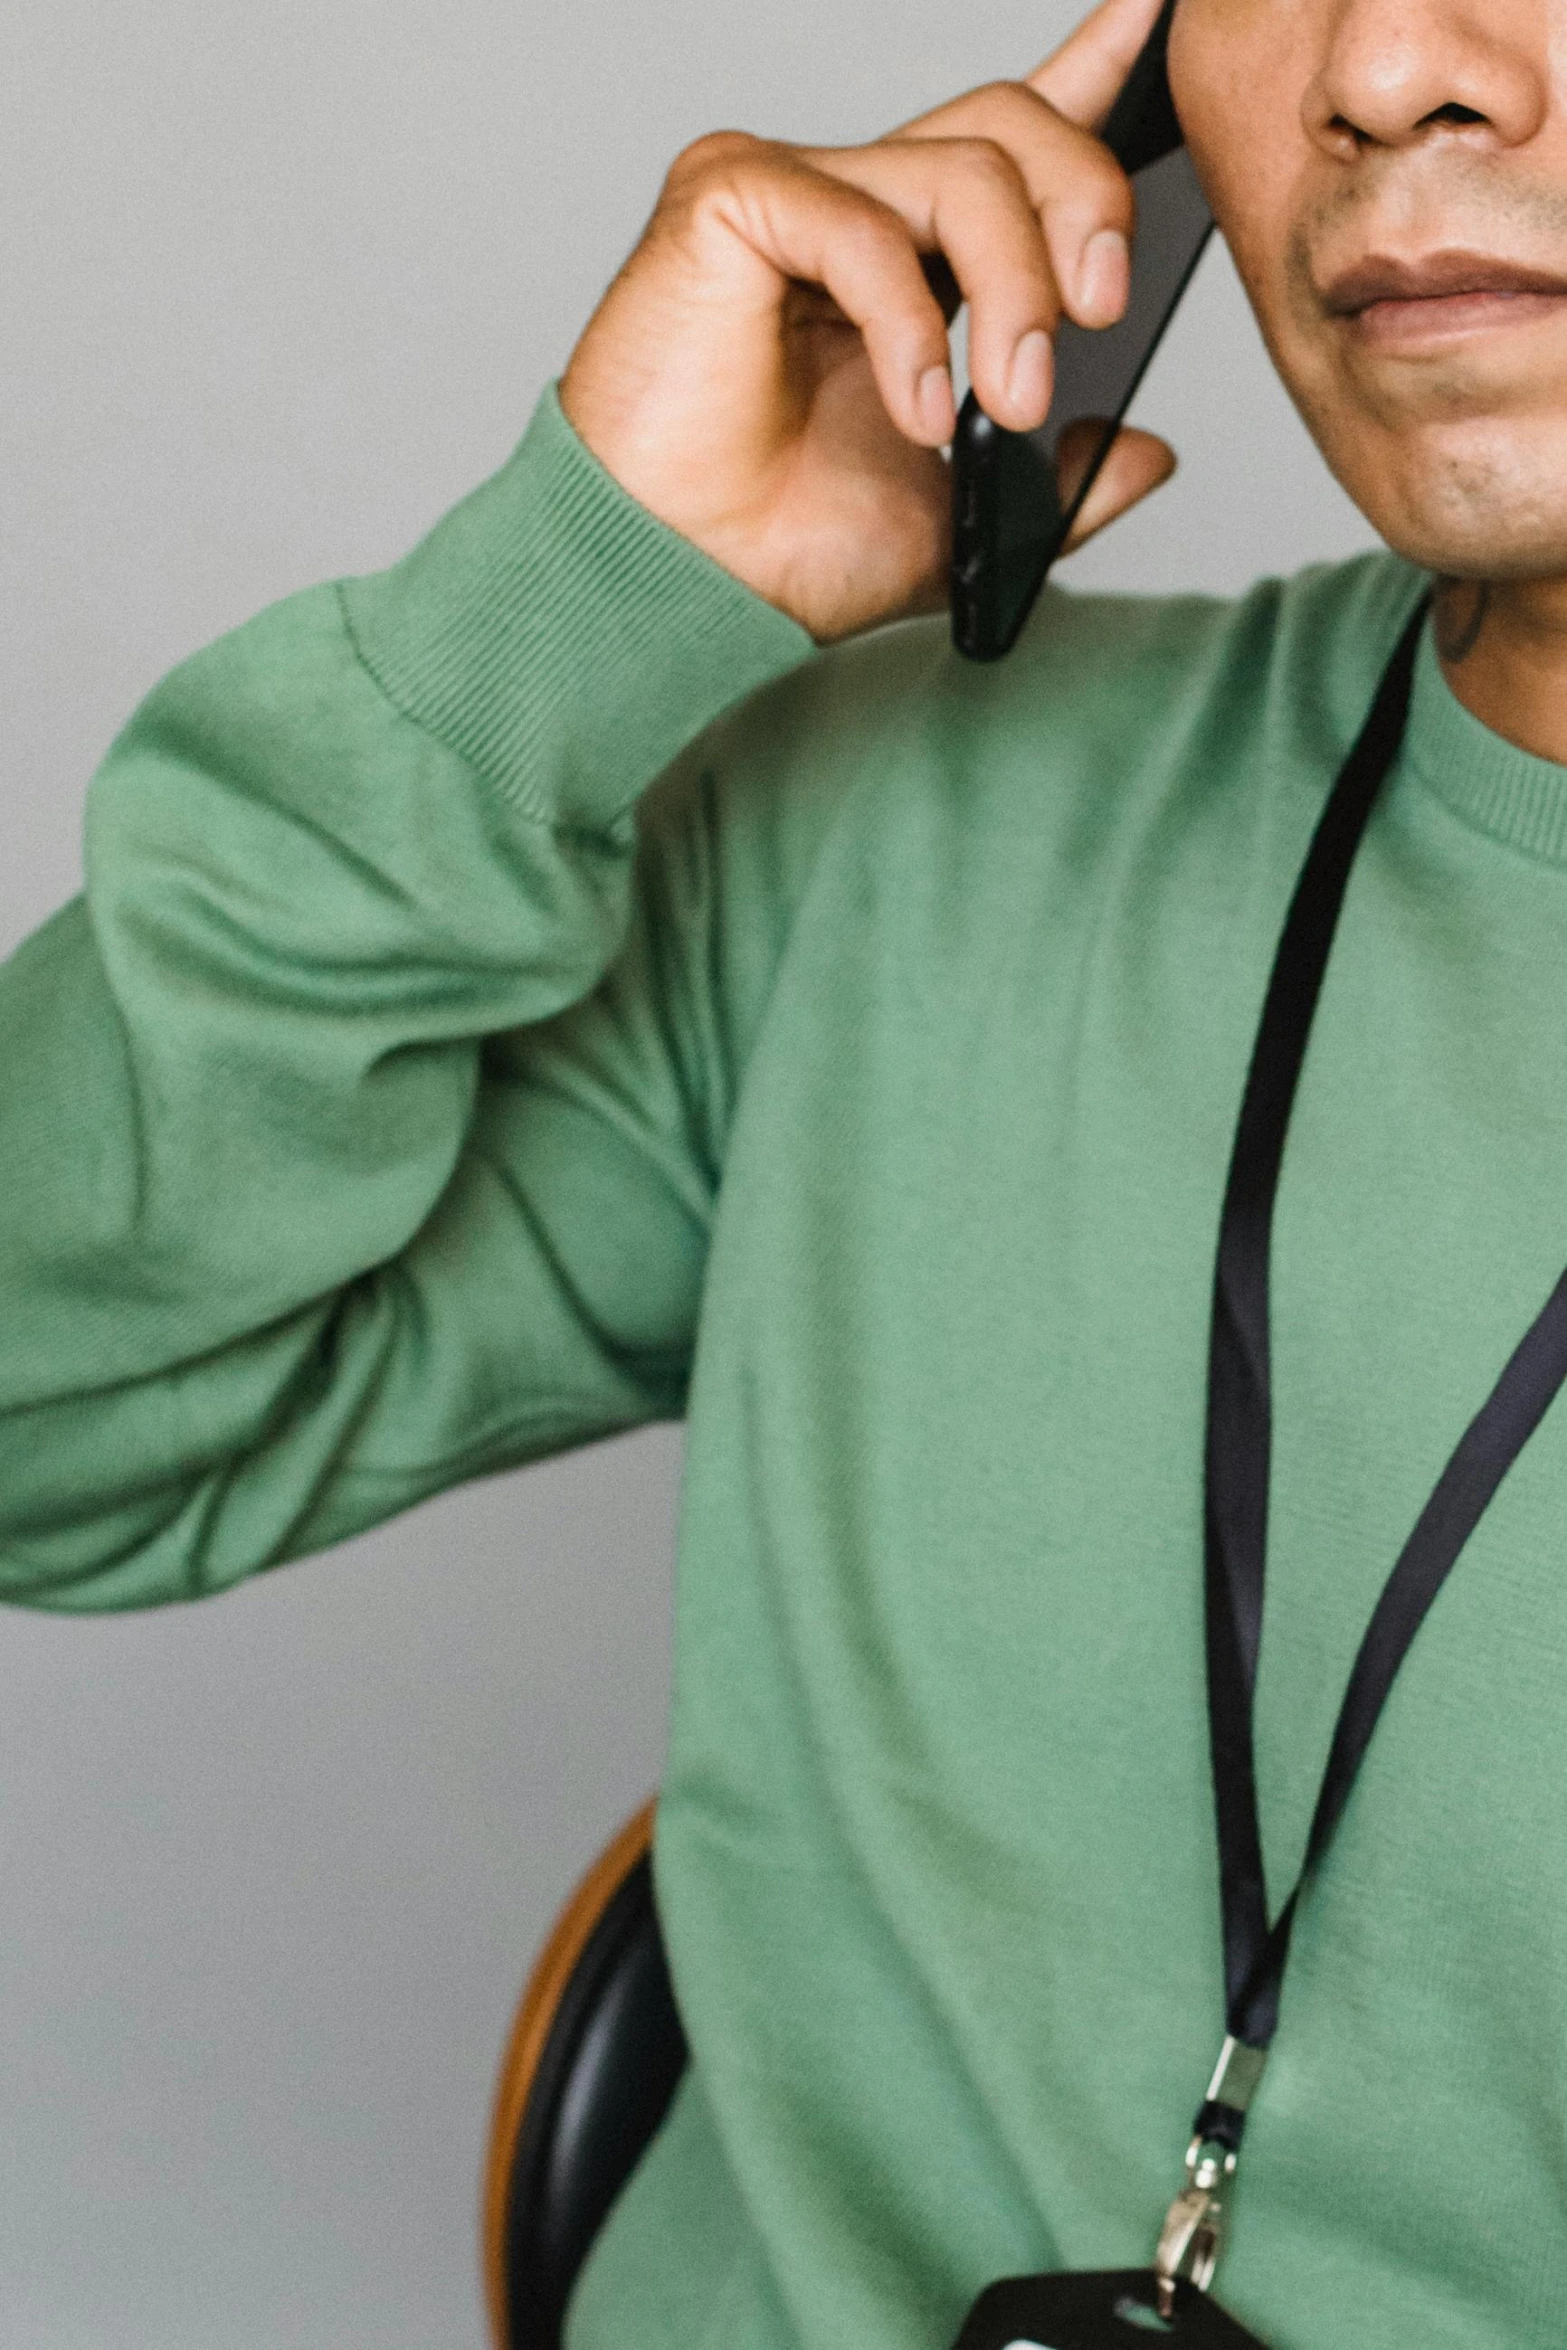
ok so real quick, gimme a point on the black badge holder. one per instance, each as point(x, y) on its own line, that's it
point(1112, 2309)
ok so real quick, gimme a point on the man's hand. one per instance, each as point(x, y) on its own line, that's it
point(769, 372)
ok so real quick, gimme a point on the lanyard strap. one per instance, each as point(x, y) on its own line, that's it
point(1240, 1432)
point(1239, 1441)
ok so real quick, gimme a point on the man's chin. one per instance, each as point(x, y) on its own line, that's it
point(1487, 504)
point(1495, 549)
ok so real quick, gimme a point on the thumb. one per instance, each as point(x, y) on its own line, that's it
point(1083, 78)
point(1137, 464)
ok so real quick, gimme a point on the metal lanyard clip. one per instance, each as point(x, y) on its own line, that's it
point(1193, 2233)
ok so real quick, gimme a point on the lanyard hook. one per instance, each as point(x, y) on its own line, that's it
point(1193, 2233)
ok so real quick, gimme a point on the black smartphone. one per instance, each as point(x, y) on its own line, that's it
point(1011, 512)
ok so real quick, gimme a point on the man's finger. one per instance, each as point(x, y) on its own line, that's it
point(967, 200)
point(1085, 76)
point(1074, 184)
point(1137, 464)
point(818, 229)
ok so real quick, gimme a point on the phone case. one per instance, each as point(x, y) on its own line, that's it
point(1009, 521)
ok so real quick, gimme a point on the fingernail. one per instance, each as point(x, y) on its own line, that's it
point(1104, 278)
point(934, 404)
point(1033, 370)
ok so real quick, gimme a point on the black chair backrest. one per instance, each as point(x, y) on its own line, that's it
point(604, 2080)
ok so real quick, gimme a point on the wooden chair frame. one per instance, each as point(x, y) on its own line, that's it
point(530, 2034)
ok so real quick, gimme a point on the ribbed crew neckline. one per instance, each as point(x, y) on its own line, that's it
point(1490, 783)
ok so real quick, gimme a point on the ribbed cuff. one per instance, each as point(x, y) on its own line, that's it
point(560, 639)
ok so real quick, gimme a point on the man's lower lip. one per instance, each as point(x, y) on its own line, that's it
point(1439, 318)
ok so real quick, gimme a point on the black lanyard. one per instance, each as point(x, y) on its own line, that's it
point(1115, 2309)
point(1237, 1462)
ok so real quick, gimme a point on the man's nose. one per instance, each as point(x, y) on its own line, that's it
point(1397, 72)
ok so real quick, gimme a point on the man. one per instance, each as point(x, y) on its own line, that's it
point(411, 1096)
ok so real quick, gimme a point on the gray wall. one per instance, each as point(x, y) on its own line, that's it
point(278, 282)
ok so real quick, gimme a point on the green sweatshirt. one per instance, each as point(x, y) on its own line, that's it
point(400, 1105)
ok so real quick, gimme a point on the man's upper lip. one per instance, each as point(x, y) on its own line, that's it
point(1382, 278)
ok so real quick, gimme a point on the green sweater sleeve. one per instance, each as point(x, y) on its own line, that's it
point(295, 1225)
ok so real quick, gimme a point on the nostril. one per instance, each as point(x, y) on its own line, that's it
point(1344, 128)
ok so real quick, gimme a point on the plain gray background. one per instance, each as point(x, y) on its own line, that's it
point(279, 282)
